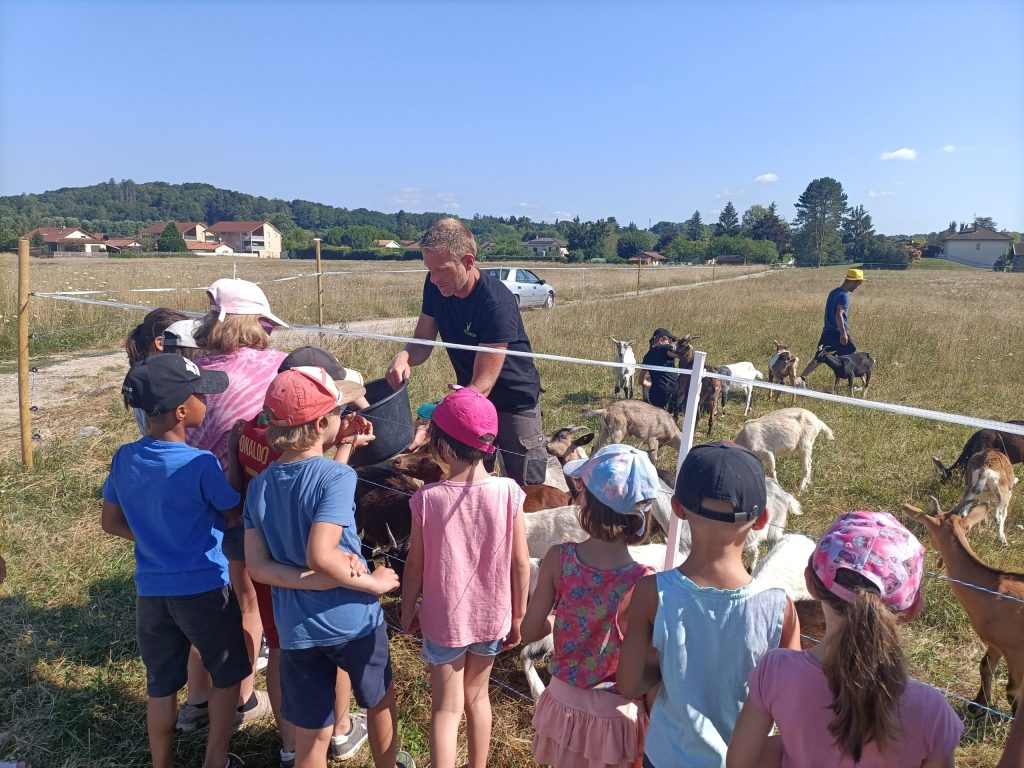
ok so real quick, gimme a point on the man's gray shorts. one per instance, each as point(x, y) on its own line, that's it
point(522, 445)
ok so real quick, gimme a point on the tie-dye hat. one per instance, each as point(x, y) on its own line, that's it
point(876, 546)
point(620, 477)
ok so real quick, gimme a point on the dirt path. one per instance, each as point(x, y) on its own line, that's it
point(56, 388)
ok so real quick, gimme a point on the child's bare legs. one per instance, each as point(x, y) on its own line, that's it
point(311, 747)
point(286, 729)
point(382, 732)
point(476, 679)
point(251, 623)
point(447, 704)
point(342, 699)
point(223, 704)
point(161, 712)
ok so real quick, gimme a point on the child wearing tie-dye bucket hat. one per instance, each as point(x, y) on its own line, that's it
point(581, 718)
point(848, 701)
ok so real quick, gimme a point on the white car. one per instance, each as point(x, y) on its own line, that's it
point(529, 290)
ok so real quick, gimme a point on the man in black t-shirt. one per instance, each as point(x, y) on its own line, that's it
point(467, 307)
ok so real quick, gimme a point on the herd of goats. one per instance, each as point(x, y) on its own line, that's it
point(992, 598)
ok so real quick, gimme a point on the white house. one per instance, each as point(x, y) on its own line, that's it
point(547, 247)
point(977, 247)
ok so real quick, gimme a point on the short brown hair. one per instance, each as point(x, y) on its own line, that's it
point(297, 438)
point(222, 337)
point(604, 523)
point(449, 235)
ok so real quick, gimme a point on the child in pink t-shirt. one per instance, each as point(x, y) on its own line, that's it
point(469, 561)
point(848, 701)
point(582, 721)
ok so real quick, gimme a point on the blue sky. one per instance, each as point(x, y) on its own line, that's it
point(642, 111)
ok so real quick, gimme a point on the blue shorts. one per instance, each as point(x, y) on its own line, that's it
point(435, 654)
point(308, 677)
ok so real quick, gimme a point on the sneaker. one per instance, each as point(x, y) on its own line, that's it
point(404, 760)
point(343, 747)
point(260, 711)
point(287, 759)
point(263, 658)
point(192, 718)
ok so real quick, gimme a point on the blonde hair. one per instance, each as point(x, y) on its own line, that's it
point(296, 438)
point(222, 337)
point(449, 235)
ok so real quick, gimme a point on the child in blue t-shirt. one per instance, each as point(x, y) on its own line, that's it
point(169, 498)
point(300, 515)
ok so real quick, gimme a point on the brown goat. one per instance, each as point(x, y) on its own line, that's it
point(997, 615)
point(782, 369)
point(988, 478)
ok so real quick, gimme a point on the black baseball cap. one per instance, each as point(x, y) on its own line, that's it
point(659, 332)
point(314, 357)
point(726, 472)
point(160, 383)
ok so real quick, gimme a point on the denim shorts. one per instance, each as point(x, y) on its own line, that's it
point(435, 654)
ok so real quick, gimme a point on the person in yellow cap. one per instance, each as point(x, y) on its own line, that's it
point(836, 333)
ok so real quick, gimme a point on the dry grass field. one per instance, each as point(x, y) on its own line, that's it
point(71, 685)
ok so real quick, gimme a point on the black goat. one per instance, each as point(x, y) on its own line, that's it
point(984, 439)
point(846, 367)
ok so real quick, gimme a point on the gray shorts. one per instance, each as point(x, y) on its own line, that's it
point(168, 626)
point(233, 545)
point(522, 445)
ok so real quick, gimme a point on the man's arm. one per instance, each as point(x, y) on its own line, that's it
point(487, 368)
point(413, 354)
point(114, 522)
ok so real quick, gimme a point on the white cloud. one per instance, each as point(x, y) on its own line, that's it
point(766, 178)
point(880, 193)
point(418, 197)
point(948, 148)
point(903, 153)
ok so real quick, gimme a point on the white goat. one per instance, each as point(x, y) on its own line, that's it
point(745, 370)
point(781, 433)
point(989, 479)
point(624, 373)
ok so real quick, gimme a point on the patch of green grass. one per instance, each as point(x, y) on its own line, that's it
point(72, 687)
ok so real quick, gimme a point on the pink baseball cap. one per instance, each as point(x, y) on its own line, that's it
point(468, 417)
point(876, 546)
point(304, 394)
point(231, 296)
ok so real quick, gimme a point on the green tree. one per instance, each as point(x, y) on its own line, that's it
point(857, 233)
point(694, 227)
point(633, 242)
point(772, 227)
point(819, 217)
point(171, 240)
point(728, 221)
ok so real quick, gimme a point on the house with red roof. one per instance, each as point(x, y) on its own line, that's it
point(255, 238)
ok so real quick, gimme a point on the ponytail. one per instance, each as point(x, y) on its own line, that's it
point(865, 667)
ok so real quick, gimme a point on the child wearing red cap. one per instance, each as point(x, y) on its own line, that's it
point(300, 513)
point(848, 701)
point(469, 561)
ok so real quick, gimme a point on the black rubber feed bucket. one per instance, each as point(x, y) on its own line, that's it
point(392, 423)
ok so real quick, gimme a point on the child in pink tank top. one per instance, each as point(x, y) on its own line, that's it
point(848, 702)
point(581, 719)
point(468, 560)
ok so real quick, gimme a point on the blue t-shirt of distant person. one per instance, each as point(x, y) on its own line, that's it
point(489, 315)
point(172, 496)
point(837, 297)
point(663, 385)
point(282, 503)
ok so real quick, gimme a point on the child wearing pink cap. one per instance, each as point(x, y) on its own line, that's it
point(582, 719)
point(469, 561)
point(848, 701)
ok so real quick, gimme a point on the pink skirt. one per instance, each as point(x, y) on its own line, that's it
point(583, 728)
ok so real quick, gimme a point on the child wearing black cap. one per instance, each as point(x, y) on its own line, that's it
point(660, 387)
point(707, 620)
point(169, 498)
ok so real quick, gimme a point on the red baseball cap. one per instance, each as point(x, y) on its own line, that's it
point(468, 417)
point(304, 394)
